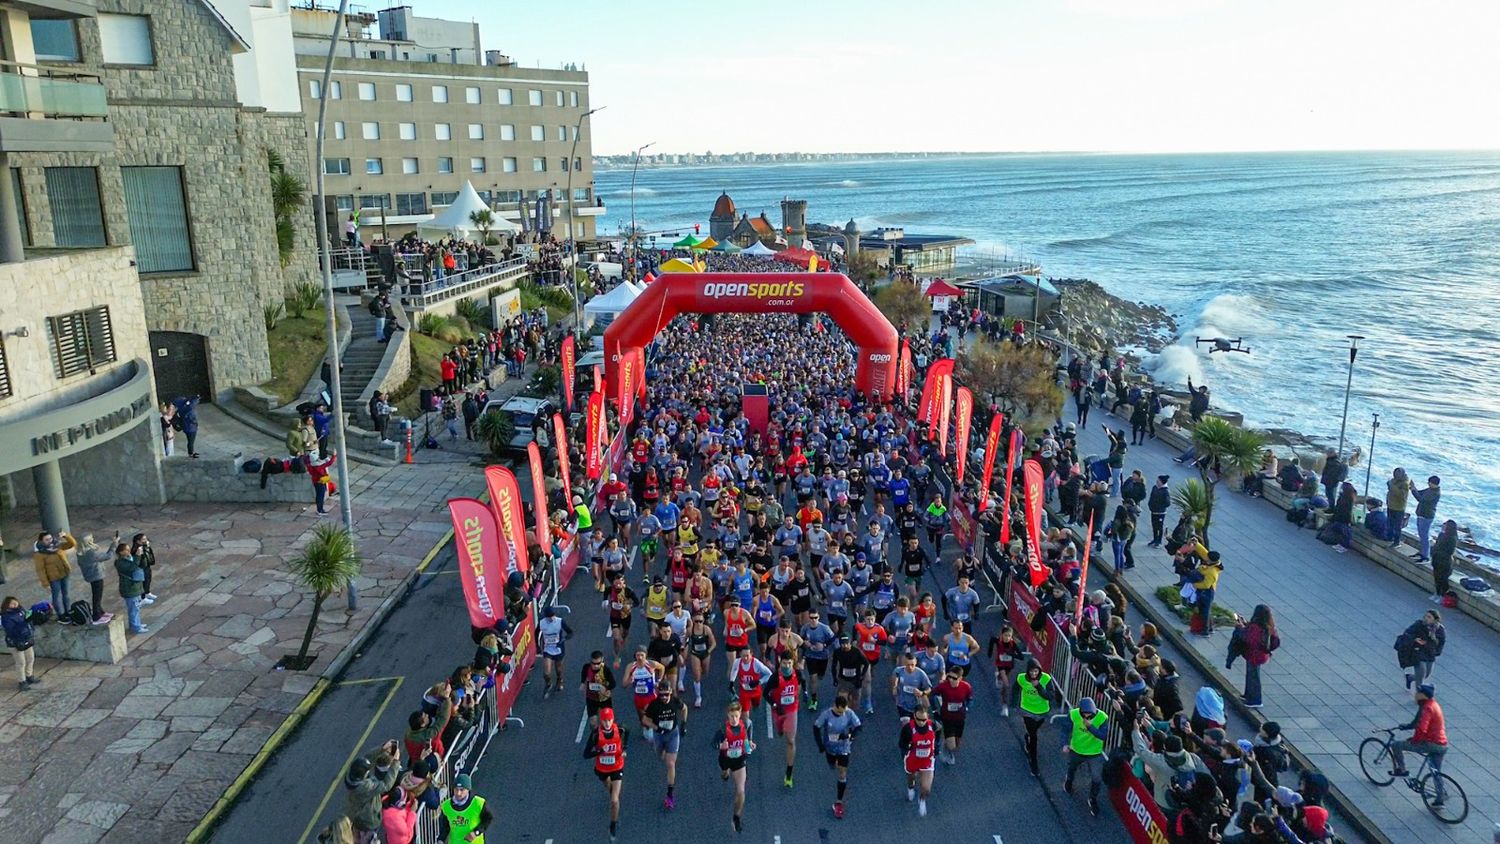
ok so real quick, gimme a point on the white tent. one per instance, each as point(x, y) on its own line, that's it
point(759, 250)
point(455, 218)
point(601, 310)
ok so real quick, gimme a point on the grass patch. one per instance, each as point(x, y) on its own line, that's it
point(297, 348)
point(425, 353)
point(1172, 597)
point(558, 301)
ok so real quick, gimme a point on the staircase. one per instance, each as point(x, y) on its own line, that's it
point(361, 358)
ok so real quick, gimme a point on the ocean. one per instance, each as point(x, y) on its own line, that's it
point(1289, 251)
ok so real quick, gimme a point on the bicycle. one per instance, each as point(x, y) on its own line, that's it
point(1376, 761)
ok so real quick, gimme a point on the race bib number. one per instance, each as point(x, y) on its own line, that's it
point(923, 752)
point(666, 725)
point(735, 753)
point(642, 687)
point(955, 707)
point(870, 647)
point(788, 698)
point(596, 687)
point(607, 761)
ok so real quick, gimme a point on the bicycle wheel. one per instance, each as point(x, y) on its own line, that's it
point(1455, 805)
point(1375, 761)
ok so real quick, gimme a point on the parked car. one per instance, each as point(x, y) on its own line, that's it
point(524, 412)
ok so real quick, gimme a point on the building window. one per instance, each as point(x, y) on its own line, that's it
point(344, 202)
point(370, 131)
point(484, 195)
point(476, 131)
point(445, 164)
point(577, 164)
point(444, 198)
point(403, 92)
point(82, 341)
point(443, 131)
point(367, 91)
point(335, 90)
point(314, 88)
point(575, 133)
point(565, 165)
point(54, 40)
point(375, 201)
point(534, 97)
point(156, 205)
point(506, 97)
point(374, 167)
point(573, 99)
point(476, 165)
point(562, 133)
point(378, 55)
point(5, 388)
point(409, 167)
point(538, 133)
point(335, 166)
point(15, 185)
point(507, 132)
point(508, 196)
point(440, 93)
point(580, 194)
point(338, 130)
point(538, 165)
point(126, 39)
point(411, 203)
point(558, 99)
point(471, 95)
point(77, 215)
point(408, 131)
point(508, 164)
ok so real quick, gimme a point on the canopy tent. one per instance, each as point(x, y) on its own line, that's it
point(687, 242)
point(455, 218)
point(727, 248)
point(679, 265)
point(795, 255)
point(942, 288)
point(759, 250)
point(706, 244)
point(601, 310)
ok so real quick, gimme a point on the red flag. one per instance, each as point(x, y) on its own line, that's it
point(627, 388)
point(927, 411)
point(1083, 572)
point(991, 445)
point(505, 500)
point(1031, 482)
point(481, 563)
point(569, 369)
point(1010, 478)
point(560, 437)
point(945, 413)
point(539, 496)
point(904, 369)
point(598, 377)
point(964, 415)
point(594, 436)
point(640, 359)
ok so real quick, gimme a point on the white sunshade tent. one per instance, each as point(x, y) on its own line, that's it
point(455, 218)
point(601, 310)
point(759, 249)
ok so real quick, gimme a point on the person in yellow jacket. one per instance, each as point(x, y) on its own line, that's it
point(464, 817)
point(1206, 582)
point(50, 556)
point(1087, 730)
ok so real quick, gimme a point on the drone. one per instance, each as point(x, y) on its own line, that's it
point(1223, 345)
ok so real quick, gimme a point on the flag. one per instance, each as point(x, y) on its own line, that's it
point(598, 377)
point(964, 412)
point(904, 370)
point(625, 395)
point(505, 501)
point(945, 413)
point(1083, 573)
point(481, 568)
point(640, 359)
point(1010, 478)
point(991, 445)
point(560, 437)
point(1032, 483)
point(569, 369)
point(539, 496)
point(927, 411)
point(594, 436)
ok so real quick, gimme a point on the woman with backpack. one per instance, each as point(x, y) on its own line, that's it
point(1443, 549)
point(1255, 641)
point(18, 637)
point(1419, 646)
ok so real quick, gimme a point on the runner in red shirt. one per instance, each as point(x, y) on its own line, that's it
point(737, 626)
point(953, 696)
point(749, 677)
point(870, 637)
point(784, 689)
point(607, 748)
point(735, 746)
point(920, 738)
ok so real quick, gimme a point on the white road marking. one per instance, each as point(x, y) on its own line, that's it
point(583, 724)
point(776, 839)
point(997, 840)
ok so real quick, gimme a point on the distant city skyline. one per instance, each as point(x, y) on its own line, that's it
point(1096, 75)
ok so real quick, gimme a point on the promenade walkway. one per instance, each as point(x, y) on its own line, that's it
point(1335, 676)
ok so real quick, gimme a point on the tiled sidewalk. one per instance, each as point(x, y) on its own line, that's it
point(1335, 677)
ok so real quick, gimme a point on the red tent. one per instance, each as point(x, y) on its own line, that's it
point(942, 288)
point(795, 255)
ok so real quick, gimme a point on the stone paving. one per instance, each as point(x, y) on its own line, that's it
point(140, 750)
point(1335, 677)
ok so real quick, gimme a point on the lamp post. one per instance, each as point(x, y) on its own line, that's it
point(335, 385)
point(633, 167)
point(1353, 352)
point(572, 246)
point(1370, 461)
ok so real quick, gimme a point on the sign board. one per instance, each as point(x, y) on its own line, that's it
point(504, 306)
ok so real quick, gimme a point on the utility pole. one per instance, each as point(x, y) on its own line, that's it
point(572, 245)
point(633, 237)
point(1348, 385)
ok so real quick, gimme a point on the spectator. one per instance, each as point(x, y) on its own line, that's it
point(19, 638)
point(186, 420)
point(1397, 493)
point(1442, 558)
point(399, 817)
point(90, 559)
point(369, 778)
point(1427, 502)
point(1257, 641)
point(50, 557)
point(1335, 470)
point(132, 585)
point(1419, 646)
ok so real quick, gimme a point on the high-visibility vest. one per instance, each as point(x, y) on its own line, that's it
point(1083, 742)
point(1033, 699)
point(463, 821)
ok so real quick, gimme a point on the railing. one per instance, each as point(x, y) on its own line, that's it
point(32, 89)
point(420, 295)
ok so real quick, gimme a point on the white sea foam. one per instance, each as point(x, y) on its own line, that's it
point(851, 183)
point(1228, 315)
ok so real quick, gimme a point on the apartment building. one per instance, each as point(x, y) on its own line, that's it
point(137, 238)
point(416, 109)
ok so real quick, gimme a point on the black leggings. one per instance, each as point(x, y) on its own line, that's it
point(1032, 726)
point(148, 585)
point(96, 596)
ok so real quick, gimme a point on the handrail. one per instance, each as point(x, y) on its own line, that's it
point(48, 72)
point(27, 89)
point(457, 284)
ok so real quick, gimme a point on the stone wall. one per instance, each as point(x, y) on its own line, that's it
point(287, 135)
point(125, 470)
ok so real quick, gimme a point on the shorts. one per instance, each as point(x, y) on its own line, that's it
point(622, 623)
point(816, 667)
point(648, 547)
point(963, 670)
point(666, 742)
point(750, 700)
point(913, 581)
point(732, 648)
point(952, 729)
point(557, 657)
point(593, 706)
point(609, 776)
point(840, 760)
point(784, 723)
point(643, 701)
point(763, 635)
point(916, 766)
point(727, 764)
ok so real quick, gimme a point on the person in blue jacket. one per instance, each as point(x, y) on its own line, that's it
point(187, 420)
point(19, 638)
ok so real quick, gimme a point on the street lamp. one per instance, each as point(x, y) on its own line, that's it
point(633, 167)
point(335, 385)
point(1353, 351)
point(1370, 460)
point(572, 246)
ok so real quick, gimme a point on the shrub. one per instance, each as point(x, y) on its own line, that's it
point(272, 314)
point(431, 324)
point(304, 297)
point(473, 311)
point(496, 428)
point(548, 378)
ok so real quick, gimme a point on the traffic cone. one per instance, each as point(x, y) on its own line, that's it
point(408, 446)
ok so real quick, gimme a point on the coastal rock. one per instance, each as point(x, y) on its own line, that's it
point(1098, 320)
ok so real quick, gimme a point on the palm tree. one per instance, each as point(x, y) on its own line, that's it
point(1222, 449)
point(484, 220)
point(327, 563)
point(288, 193)
point(1192, 498)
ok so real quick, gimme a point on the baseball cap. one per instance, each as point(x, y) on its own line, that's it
point(606, 714)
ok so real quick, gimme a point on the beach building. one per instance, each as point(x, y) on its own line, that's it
point(416, 108)
point(922, 253)
point(1014, 295)
point(137, 237)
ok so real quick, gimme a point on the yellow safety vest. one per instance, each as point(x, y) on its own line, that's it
point(1083, 742)
point(1032, 698)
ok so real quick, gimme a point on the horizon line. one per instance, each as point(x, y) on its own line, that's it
point(1245, 151)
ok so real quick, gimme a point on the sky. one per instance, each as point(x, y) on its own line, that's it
point(1017, 75)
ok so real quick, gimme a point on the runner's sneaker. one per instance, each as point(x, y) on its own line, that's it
point(838, 810)
point(737, 824)
point(911, 794)
point(788, 781)
point(670, 803)
point(1094, 806)
point(922, 808)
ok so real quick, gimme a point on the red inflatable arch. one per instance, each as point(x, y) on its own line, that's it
point(758, 293)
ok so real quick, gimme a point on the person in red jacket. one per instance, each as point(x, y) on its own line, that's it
point(399, 817)
point(1429, 737)
point(317, 472)
point(449, 371)
point(1260, 641)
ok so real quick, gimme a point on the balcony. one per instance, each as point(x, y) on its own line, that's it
point(47, 110)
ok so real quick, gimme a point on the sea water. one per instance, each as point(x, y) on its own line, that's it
point(1289, 251)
